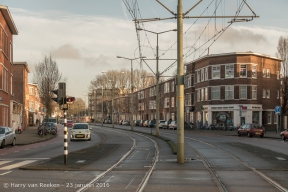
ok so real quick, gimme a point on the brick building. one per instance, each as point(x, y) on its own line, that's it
point(7, 102)
point(33, 107)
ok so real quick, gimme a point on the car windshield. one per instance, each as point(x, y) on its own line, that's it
point(69, 121)
point(2, 130)
point(256, 126)
point(80, 126)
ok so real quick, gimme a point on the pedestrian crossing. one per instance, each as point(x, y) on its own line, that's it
point(15, 163)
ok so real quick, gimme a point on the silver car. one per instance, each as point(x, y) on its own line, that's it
point(7, 136)
point(80, 131)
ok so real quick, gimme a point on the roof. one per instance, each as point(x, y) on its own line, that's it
point(23, 63)
point(6, 13)
point(233, 53)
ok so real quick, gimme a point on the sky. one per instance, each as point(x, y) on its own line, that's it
point(84, 37)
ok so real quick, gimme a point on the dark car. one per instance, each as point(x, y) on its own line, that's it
point(251, 129)
point(49, 126)
point(137, 122)
point(152, 123)
point(284, 135)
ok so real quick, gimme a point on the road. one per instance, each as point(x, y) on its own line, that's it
point(141, 162)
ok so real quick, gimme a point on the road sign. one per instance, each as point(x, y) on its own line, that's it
point(277, 109)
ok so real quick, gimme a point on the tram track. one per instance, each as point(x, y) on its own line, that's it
point(146, 177)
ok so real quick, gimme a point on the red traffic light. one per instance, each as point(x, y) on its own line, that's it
point(70, 99)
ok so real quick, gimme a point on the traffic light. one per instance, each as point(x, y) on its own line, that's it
point(70, 99)
point(55, 93)
point(60, 94)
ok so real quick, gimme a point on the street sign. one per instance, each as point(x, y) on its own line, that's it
point(277, 110)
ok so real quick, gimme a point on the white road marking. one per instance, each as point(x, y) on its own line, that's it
point(80, 161)
point(5, 173)
point(280, 158)
point(4, 154)
point(4, 162)
point(17, 165)
point(130, 182)
point(16, 151)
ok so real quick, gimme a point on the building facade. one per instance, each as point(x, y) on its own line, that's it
point(7, 30)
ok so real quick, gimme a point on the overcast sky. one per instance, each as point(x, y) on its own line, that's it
point(84, 37)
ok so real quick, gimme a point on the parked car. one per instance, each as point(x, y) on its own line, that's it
point(137, 122)
point(284, 135)
point(7, 136)
point(152, 123)
point(166, 124)
point(125, 122)
point(120, 122)
point(146, 123)
point(251, 129)
point(80, 131)
point(49, 126)
point(69, 123)
point(173, 125)
point(141, 124)
point(161, 122)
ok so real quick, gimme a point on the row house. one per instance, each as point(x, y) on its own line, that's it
point(226, 89)
point(10, 107)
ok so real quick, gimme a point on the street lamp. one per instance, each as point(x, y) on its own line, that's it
point(157, 76)
point(132, 86)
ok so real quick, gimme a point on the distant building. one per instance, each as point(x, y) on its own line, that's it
point(8, 106)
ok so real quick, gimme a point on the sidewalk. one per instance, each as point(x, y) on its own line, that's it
point(29, 136)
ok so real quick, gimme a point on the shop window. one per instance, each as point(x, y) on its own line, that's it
point(229, 71)
point(215, 93)
point(229, 92)
point(254, 71)
point(243, 92)
point(216, 72)
point(243, 70)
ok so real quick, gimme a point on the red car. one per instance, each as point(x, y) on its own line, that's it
point(69, 123)
point(251, 129)
point(284, 135)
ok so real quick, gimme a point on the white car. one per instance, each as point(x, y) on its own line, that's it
point(161, 122)
point(7, 136)
point(80, 131)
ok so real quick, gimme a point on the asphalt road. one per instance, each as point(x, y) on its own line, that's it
point(238, 162)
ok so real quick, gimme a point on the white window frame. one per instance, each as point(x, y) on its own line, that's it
point(254, 71)
point(188, 99)
point(242, 92)
point(269, 117)
point(229, 71)
point(172, 102)
point(198, 95)
point(202, 75)
point(206, 73)
point(166, 87)
point(206, 93)
point(264, 93)
point(229, 92)
point(31, 90)
point(215, 72)
point(198, 76)
point(268, 73)
point(215, 93)
point(172, 86)
point(267, 94)
point(278, 94)
point(242, 75)
point(264, 73)
point(202, 94)
point(254, 92)
point(166, 102)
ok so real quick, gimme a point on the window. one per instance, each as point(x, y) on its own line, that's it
point(141, 95)
point(198, 95)
point(243, 92)
point(166, 87)
point(31, 104)
point(31, 90)
point(216, 72)
point(188, 99)
point(243, 70)
point(269, 116)
point(215, 93)
point(229, 71)
point(254, 71)
point(187, 81)
point(264, 72)
point(268, 73)
point(278, 94)
point(172, 86)
point(278, 76)
point(206, 73)
point(206, 94)
point(11, 52)
point(152, 91)
point(254, 92)
point(198, 76)
point(166, 102)
point(268, 94)
point(172, 102)
point(229, 92)
point(152, 104)
point(202, 74)
point(264, 93)
point(202, 94)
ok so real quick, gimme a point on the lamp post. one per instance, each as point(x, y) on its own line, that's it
point(157, 76)
point(132, 86)
point(102, 106)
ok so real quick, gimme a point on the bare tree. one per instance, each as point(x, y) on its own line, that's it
point(47, 76)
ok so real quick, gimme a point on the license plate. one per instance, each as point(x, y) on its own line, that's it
point(257, 133)
point(79, 136)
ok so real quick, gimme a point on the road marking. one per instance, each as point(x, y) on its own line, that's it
point(17, 165)
point(5, 173)
point(4, 154)
point(80, 161)
point(4, 162)
point(16, 151)
point(280, 158)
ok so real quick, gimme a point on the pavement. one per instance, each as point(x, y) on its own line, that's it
point(91, 154)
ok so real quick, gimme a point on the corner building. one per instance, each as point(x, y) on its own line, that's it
point(233, 89)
